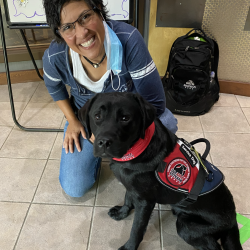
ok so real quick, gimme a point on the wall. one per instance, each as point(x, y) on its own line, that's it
point(224, 21)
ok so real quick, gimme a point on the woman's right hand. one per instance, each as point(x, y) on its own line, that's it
point(74, 129)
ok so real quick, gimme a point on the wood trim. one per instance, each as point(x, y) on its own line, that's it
point(236, 88)
point(21, 76)
point(229, 87)
point(22, 49)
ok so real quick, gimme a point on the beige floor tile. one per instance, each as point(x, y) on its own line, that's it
point(109, 234)
point(19, 178)
point(225, 119)
point(22, 92)
point(227, 100)
point(55, 227)
point(110, 191)
point(246, 111)
point(164, 207)
point(188, 123)
point(57, 148)
point(41, 94)
point(229, 150)
point(22, 144)
point(237, 180)
point(12, 216)
point(244, 101)
point(170, 238)
point(46, 115)
point(50, 191)
point(5, 131)
point(6, 114)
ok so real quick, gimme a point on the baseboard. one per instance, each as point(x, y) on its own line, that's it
point(21, 76)
point(236, 88)
point(229, 87)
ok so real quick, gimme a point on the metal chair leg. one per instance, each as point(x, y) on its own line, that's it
point(30, 53)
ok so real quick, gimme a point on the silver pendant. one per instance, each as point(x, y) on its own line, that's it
point(96, 65)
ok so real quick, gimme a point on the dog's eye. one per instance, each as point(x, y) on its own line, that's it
point(97, 116)
point(125, 118)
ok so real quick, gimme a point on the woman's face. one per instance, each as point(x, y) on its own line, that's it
point(87, 41)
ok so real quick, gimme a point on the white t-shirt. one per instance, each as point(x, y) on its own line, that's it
point(81, 76)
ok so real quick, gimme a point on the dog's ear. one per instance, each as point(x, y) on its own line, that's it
point(148, 112)
point(83, 115)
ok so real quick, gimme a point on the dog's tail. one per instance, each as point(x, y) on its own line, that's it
point(231, 239)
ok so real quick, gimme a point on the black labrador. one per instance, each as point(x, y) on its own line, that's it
point(118, 121)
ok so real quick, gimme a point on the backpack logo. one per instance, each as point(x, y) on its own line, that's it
point(189, 85)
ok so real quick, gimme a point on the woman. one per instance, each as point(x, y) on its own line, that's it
point(92, 55)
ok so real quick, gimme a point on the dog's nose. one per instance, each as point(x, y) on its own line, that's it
point(104, 143)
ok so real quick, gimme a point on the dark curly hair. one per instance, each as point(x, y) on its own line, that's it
point(53, 11)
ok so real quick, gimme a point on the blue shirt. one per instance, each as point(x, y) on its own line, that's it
point(138, 74)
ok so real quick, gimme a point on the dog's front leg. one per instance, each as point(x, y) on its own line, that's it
point(121, 212)
point(141, 219)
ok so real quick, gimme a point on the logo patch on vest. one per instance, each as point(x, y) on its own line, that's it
point(178, 172)
point(181, 170)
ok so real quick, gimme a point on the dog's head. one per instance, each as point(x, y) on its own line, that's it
point(117, 121)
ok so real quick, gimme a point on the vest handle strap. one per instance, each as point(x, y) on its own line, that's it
point(205, 154)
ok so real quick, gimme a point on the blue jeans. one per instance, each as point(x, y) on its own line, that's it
point(78, 170)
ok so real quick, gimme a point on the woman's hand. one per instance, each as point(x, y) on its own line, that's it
point(72, 134)
point(74, 129)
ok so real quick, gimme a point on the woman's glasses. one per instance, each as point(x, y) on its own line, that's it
point(85, 19)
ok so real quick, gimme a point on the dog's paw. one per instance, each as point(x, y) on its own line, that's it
point(119, 212)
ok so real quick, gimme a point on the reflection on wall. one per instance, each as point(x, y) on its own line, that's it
point(224, 21)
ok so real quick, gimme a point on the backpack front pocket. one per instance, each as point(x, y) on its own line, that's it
point(192, 56)
point(188, 84)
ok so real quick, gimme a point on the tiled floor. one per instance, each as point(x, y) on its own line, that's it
point(34, 215)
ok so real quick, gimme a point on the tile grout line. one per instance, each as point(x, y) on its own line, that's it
point(7, 138)
point(93, 212)
point(26, 104)
point(31, 202)
point(242, 109)
point(160, 224)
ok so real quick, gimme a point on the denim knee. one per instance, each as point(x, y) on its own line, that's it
point(78, 170)
point(169, 121)
point(78, 182)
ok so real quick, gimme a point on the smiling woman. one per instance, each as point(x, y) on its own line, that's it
point(92, 54)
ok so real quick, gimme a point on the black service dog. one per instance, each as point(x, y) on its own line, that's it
point(118, 121)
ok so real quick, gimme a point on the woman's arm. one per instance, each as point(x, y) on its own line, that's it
point(74, 129)
point(58, 92)
point(143, 72)
point(146, 78)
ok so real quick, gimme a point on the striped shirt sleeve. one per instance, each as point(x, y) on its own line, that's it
point(53, 82)
point(143, 72)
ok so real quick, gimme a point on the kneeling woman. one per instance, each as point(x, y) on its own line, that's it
point(92, 54)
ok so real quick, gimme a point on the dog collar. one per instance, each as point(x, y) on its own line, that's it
point(139, 146)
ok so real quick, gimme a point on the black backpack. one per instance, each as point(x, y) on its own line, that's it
point(191, 83)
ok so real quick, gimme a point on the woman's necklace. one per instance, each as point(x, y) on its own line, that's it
point(95, 65)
